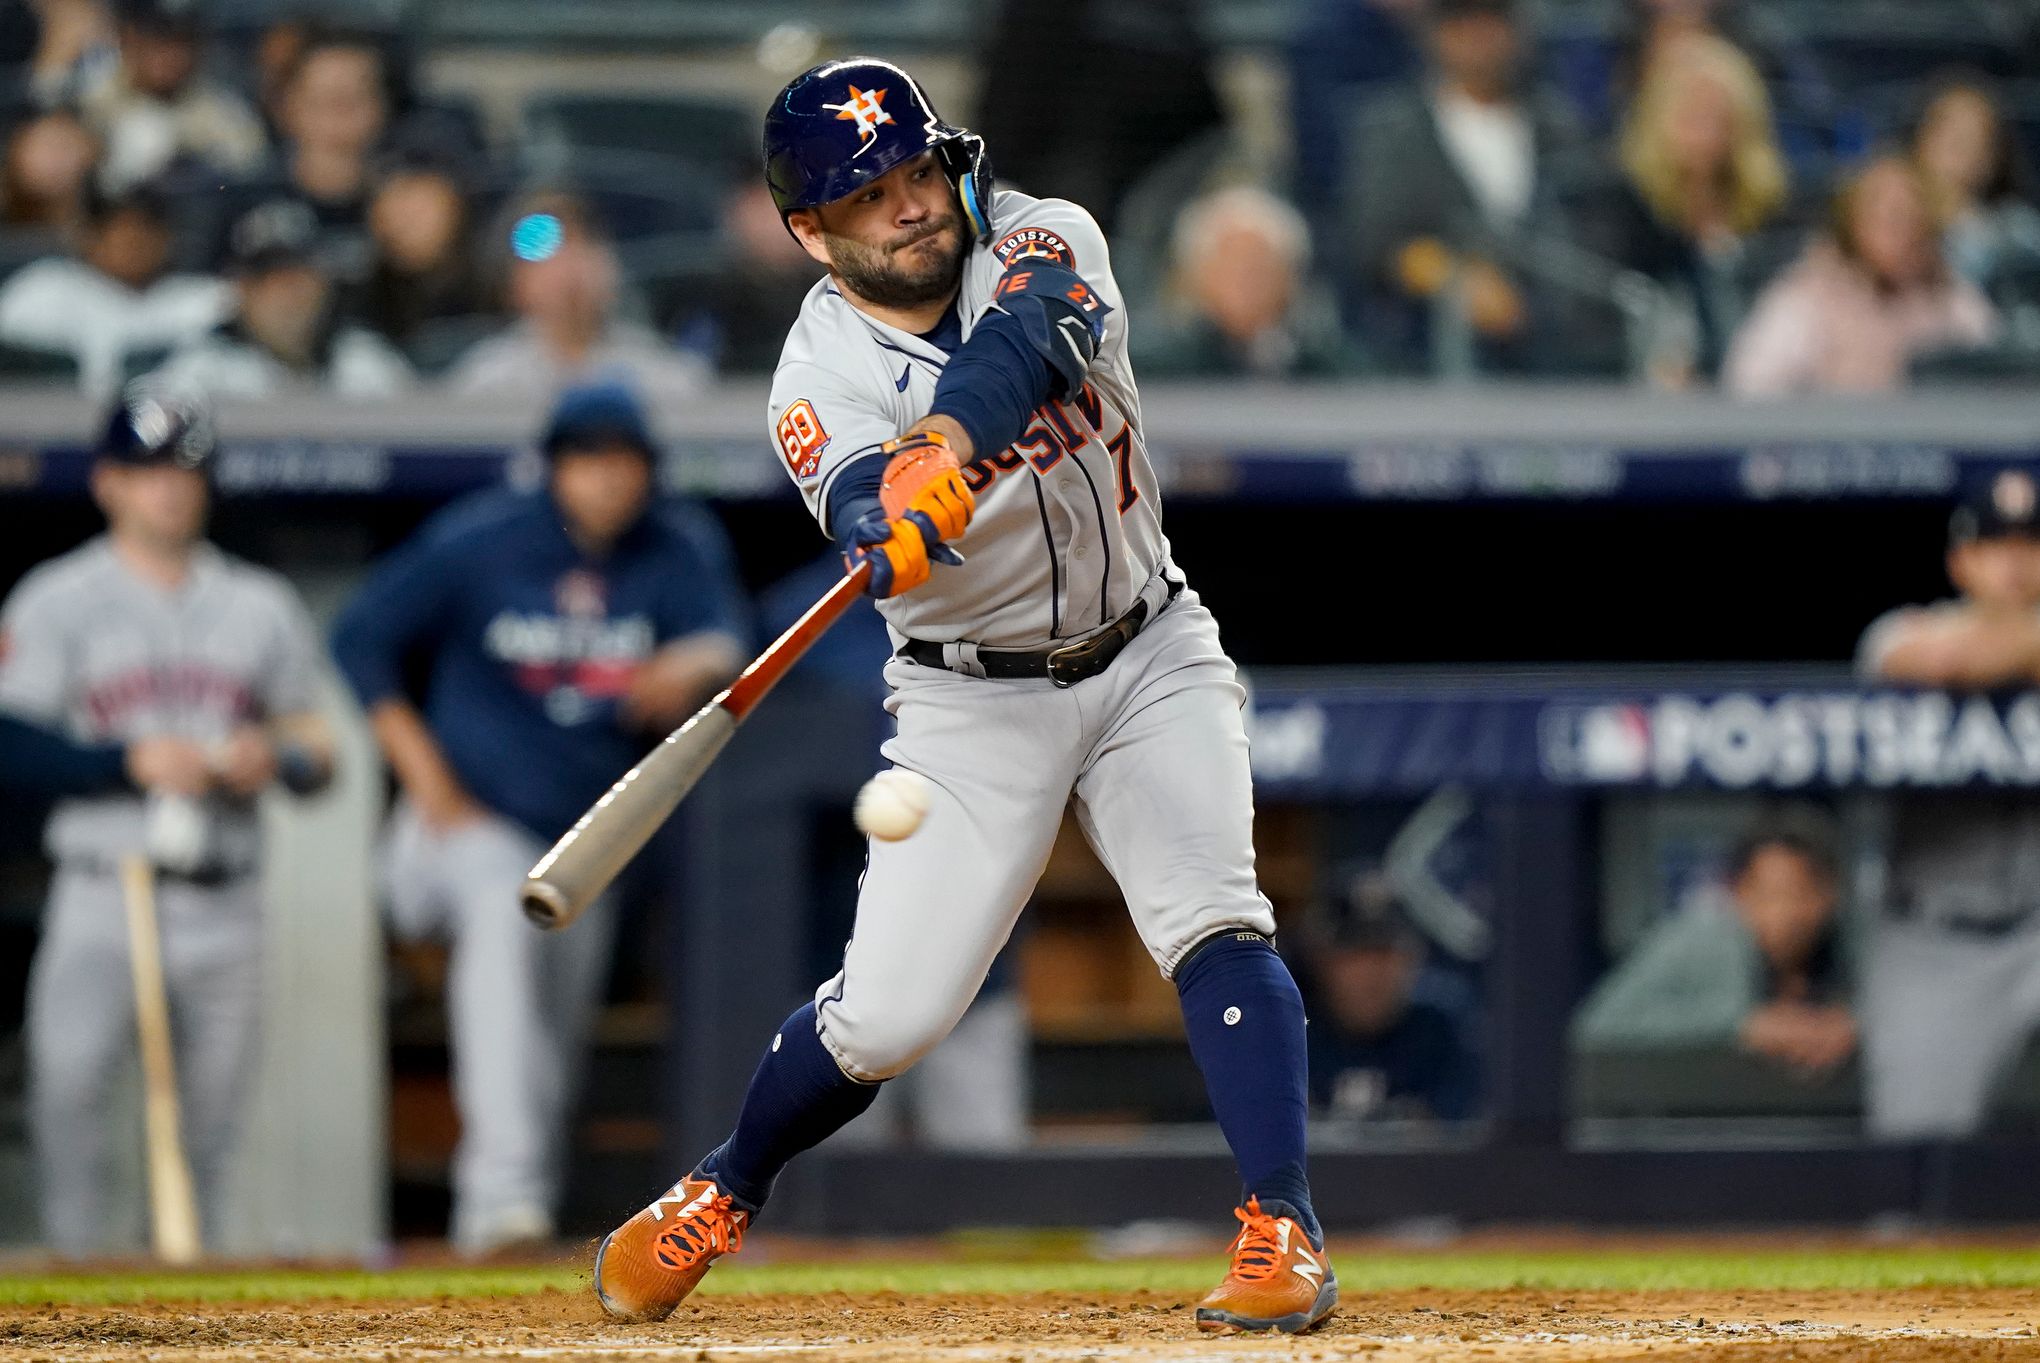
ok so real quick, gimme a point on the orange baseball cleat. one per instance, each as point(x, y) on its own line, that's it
point(647, 1266)
point(1278, 1281)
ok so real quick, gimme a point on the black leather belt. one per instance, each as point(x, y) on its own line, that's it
point(204, 878)
point(1065, 666)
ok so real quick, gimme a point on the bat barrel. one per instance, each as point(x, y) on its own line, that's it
point(580, 865)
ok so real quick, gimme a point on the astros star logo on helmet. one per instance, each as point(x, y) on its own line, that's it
point(863, 109)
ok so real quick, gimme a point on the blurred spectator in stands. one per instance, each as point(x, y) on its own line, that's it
point(48, 171)
point(1870, 295)
point(157, 111)
point(1453, 186)
point(1341, 53)
point(1605, 75)
point(74, 50)
point(1376, 1050)
point(1237, 304)
point(333, 108)
point(1755, 964)
point(1952, 993)
point(740, 316)
point(557, 634)
point(276, 56)
point(1083, 97)
point(1704, 174)
point(285, 335)
point(563, 285)
point(112, 298)
point(424, 268)
point(1990, 229)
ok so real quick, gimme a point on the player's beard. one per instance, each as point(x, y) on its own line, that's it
point(879, 274)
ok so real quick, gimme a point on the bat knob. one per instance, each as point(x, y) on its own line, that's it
point(544, 905)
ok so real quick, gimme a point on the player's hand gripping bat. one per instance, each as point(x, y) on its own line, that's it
point(580, 865)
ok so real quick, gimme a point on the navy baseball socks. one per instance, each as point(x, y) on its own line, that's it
point(798, 1097)
point(1245, 1020)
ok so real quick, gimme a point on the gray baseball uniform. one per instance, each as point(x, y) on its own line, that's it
point(1151, 753)
point(88, 646)
point(1951, 990)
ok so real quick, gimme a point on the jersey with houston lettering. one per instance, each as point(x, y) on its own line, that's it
point(89, 647)
point(1068, 528)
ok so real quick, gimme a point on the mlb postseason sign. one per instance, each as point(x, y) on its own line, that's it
point(1401, 738)
point(1742, 741)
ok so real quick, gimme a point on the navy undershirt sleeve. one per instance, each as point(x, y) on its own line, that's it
point(44, 763)
point(993, 384)
point(1036, 343)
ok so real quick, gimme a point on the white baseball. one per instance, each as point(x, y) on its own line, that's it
point(892, 804)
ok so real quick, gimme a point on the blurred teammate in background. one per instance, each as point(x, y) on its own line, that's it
point(561, 633)
point(1756, 965)
point(1952, 992)
point(206, 668)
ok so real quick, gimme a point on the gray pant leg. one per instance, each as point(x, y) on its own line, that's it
point(212, 965)
point(505, 1061)
point(935, 908)
point(81, 1025)
point(1943, 1018)
point(1167, 800)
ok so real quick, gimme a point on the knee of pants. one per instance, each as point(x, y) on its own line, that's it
point(1199, 927)
point(879, 1041)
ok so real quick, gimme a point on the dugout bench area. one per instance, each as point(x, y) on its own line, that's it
point(1416, 646)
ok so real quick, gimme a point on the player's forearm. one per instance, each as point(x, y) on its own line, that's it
point(679, 677)
point(1036, 343)
point(1965, 653)
point(950, 429)
point(413, 753)
point(304, 752)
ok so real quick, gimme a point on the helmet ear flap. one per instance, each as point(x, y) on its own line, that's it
point(970, 170)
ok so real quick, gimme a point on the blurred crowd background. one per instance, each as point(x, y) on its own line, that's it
point(1766, 195)
point(449, 212)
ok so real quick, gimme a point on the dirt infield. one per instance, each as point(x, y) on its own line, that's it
point(1495, 1327)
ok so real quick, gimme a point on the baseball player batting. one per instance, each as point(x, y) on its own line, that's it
point(958, 385)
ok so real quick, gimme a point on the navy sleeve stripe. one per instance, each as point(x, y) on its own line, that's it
point(1055, 590)
point(1104, 544)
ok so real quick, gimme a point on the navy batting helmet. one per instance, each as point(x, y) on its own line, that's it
point(841, 125)
point(149, 426)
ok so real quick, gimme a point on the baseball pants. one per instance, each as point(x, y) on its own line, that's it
point(519, 1006)
point(81, 1028)
point(1945, 1016)
point(1152, 756)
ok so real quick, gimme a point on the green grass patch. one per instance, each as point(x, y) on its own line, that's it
point(1682, 1269)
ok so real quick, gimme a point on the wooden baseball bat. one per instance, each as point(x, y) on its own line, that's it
point(173, 1204)
point(595, 850)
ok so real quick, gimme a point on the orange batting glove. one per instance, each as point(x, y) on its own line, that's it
point(924, 483)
